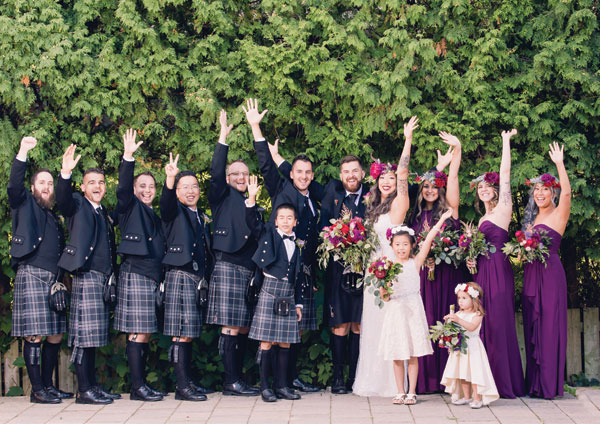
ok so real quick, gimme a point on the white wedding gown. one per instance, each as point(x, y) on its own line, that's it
point(374, 376)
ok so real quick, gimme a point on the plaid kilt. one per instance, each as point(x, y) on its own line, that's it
point(309, 312)
point(268, 327)
point(227, 296)
point(89, 321)
point(136, 304)
point(182, 317)
point(32, 315)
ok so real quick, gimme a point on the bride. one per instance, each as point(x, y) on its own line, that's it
point(387, 206)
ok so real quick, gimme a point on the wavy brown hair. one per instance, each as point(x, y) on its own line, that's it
point(439, 206)
point(376, 205)
point(479, 206)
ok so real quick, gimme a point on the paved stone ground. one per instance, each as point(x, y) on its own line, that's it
point(315, 408)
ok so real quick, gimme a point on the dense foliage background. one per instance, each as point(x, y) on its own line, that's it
point(337, 77)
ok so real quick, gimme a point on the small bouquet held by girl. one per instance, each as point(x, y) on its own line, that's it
point(468, 376)
point(443, 249)
point(379, 279)
point(449, 335)
point(404, 332)
point(529, 246)
point(347, 240)
point(471, 244)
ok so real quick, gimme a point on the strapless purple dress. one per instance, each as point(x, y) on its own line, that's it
point(437, 296)
point(498, 332)
point(545, 322)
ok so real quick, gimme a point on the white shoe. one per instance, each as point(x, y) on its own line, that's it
point(462, 401)
point(476, 404)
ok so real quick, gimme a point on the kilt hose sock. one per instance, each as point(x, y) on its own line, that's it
point(265, 364)
point(49, 362)
point(240, 354)
point(82, 369)
point(353, 352)
point(292, 371)
point(31, 354)
point(229, 355)
point(178, 357)
point(137, 365)
point(338, 353)
point(280, 380)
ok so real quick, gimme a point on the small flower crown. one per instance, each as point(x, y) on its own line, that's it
point(467, 288)
point(378, 168)
point(488, 177)
point(439, 178)
point(391, 232)
point(548, 180)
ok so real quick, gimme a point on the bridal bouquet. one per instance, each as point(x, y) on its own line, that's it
point(443, 249)
point(449, 335)
point(347, 240)
point(529, 246)
point(381, 273)
point(472, 243)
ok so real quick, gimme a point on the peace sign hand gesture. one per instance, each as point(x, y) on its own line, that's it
point(171, 169)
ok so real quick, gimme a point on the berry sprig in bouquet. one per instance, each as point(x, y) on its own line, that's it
point(472, 243)
point(529, 246)
point(449, 335)
point(347, 240)
point(382, 272)
point(443, 249)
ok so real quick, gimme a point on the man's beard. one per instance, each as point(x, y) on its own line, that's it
point(351, 189)
point(44, 203)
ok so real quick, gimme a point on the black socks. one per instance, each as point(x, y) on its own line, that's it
point(338, 350)
point(281, 369)
point(137, 365)
point(229, 356)
point(292, 371)
point(178, 357)
point(31, 354)
point(82, 371)
point(49, 362)
point(353, 354)
point(264, 361)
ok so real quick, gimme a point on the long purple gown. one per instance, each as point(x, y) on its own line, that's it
point(545, 322)
point(498, 332)
point(437, 296)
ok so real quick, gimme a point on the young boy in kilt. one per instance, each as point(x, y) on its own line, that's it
point(274, 322)
point(188, 260)
point(37, 241)
point(142, 248)
point(90, 257)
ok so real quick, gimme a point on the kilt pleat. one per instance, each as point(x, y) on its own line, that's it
point(89, 318)
point(266, 325)
point(136, 304)
point(309, 311)
point(31, 315)
point(182, 317)
point(227, 296)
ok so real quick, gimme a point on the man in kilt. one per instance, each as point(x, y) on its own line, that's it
point(234, 246)
point(90, 257)
point(188, 261)
point(142, 248)
point(279, 307)
point(37, 241)
point(292, 189)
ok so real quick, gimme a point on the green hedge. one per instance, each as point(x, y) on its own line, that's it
point(337, 77)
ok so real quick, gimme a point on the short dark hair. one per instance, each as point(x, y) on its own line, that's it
point(182, 174)
point(350, 158)
point(286, 206)
point(303, 158)
point(93, 171)
point(412, 239)
point(148, 173)
point(38, 172)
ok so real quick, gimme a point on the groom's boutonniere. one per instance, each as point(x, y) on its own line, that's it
point(367, 198)
point(300, 243)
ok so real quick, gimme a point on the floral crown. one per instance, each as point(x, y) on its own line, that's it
point(548, 180)
point(378, 168)
point(488, 177)
point(439, 178)
point(467, 288)
point(391, 232)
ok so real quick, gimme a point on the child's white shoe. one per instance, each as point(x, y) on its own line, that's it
point(399, 399)
point(476, 404)
point(462, 401)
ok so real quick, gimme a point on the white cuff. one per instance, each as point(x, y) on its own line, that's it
point(65, 176)
point(260, 139)
point(129, 160)
point(300, 306)
point(248, 204)
point(21, 159)
point(224, 144)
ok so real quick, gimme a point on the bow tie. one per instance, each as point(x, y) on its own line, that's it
point(286, 237)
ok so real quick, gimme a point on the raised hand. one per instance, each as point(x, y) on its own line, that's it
point(225, 129)
point(410, 126)
point(508, 134)
point(556, 152)
point(27, 143)
point(446, 215)
point(450, 139)
point(129, 144)
point(253, 187)
point(69, 161)
point(274, 148)
point(171, 169)
point(251, 111)
point(444, 160)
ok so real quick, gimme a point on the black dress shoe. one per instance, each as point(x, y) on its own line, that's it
point(201, 390)
point(43, 396)
point(304, 387)
point(267, 395)
point(188, 393)
point(92, 397)
point(144, 393)
point(59, 393)
point(349, 384)
point(156, 392)
point(100, 390)
point(287, 393)
point(239, 388)
point(338, 387)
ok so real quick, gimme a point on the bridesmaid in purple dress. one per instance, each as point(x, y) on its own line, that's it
point(495, 276)
point(435, 196)
point(545, 285)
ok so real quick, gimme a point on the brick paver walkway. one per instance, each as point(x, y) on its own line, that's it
point(312, 409)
